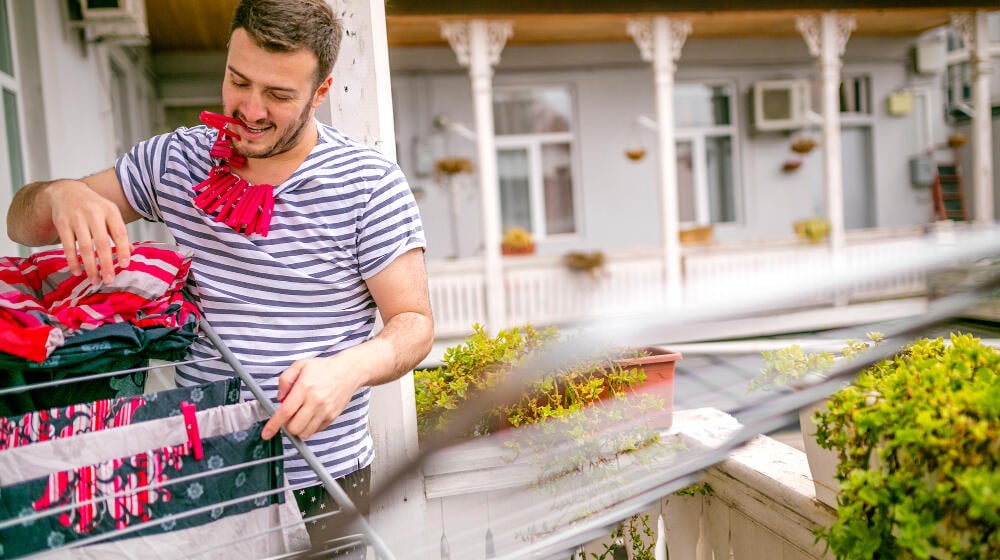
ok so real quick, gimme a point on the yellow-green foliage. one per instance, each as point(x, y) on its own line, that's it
point(931, 417)
point(477, 364)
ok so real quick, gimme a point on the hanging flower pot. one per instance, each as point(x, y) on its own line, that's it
point(803, 145)
point(791, 165)
point(635, 154)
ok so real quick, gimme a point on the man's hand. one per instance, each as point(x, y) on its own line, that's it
point(90, 213)
point(88, 222)
point(312, 394)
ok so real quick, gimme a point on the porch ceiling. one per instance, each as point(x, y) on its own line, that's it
point(197, 25)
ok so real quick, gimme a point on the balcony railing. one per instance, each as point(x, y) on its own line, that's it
point(543, 291)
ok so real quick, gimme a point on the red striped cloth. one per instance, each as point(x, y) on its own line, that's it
point(41, 301)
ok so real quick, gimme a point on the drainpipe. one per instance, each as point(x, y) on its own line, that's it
point(974, 30)
point(477, 45)
point(660, 40)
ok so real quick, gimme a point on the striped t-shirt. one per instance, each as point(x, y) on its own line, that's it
point(300, 292)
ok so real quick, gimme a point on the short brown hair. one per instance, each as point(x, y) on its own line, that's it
point(290, 25)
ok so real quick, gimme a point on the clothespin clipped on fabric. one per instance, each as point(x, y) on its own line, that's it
point(190, 414)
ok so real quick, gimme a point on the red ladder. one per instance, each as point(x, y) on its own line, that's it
point(949, 198)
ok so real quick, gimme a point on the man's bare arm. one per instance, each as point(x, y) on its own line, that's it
point(85, 215)
point(314, 392)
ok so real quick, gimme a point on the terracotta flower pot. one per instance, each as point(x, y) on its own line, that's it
point(659, 368)
point(519, 250)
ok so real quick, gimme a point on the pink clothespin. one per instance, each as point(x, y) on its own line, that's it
point(189, 412)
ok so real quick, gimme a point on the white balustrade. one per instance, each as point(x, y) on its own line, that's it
point(541, 290)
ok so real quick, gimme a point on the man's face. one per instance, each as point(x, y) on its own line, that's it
point(273, 93)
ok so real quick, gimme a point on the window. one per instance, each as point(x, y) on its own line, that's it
point(706, 178)
point(534, 136)
point(120, 108)
point(854, 95)
point(958, 76)
point(12, 174)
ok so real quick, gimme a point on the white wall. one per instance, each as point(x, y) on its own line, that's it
point(68, 118)
point(612, 86)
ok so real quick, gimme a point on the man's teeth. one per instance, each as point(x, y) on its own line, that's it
point(252, 129)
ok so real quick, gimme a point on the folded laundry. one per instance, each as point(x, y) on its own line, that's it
point(39, 294)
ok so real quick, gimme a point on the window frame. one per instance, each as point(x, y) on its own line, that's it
point(12, 83)
point(532, 144)
point(698, 137)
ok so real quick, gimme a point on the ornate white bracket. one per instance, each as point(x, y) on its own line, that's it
point(641, 31)
point(811, 29)
point(964, 24)
point(458, 36)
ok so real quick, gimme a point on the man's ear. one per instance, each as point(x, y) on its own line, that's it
point(322, 91)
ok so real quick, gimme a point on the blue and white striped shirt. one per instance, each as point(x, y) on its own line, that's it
point(300, 292)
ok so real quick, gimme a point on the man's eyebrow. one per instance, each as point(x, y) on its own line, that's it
point(270, 88)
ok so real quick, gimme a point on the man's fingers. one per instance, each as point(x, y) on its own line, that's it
point(105, 258)
point(286, 410)
point(85, 244)
point(116, 227)
point(68, 240)
point(287, 379)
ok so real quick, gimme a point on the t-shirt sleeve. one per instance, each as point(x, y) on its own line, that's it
point(139, 171)
point(390, 224)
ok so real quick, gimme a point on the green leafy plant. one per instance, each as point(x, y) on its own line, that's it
point(792, 365)
point(559, 405)
point(918, 438)
point(476, 365)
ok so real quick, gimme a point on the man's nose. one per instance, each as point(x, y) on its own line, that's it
point(253, 108)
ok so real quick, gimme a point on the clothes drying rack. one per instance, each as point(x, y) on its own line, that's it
point(355, 528)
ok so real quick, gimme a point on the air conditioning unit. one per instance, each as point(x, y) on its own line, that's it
point(780, 104)
point(121, 21)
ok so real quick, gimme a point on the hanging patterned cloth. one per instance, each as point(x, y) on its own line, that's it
point(99, 480)
point(231, 199)
point(105, 414)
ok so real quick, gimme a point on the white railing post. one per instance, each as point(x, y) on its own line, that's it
point(477, 45)
point(660, 41)
point(975, 31)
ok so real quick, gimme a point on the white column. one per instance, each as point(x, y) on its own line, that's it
point(826, 37)
point(974, 31)
point(360, 105)
point(660, 41)
point(477, 45)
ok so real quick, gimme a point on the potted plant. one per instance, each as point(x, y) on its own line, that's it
point(591, 263)
point(482, 361)
point(813, 230)
point(917, 438)
point(517, 241)
point(794, 367)
point(563, 403)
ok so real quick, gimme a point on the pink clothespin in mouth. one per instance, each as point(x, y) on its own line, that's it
point(190, 414)
point(227, 197)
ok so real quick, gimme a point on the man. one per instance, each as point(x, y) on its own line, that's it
point(296, 306)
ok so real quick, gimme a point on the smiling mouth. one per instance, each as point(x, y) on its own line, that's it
point(254, 130)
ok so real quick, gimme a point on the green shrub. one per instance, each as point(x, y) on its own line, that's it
point(918, 437)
